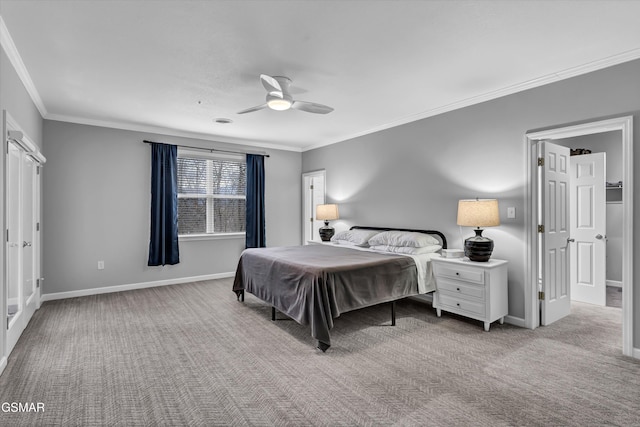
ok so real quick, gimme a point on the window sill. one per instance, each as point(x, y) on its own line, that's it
point(218, 236)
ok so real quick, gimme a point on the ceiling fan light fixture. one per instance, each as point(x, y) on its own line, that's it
point(279, 104)
point(279, 99)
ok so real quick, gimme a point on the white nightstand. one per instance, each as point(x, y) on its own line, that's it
point(473, 289)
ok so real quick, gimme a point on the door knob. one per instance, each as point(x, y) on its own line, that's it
point(599, 236)
point(569, 240)
point(26, 244)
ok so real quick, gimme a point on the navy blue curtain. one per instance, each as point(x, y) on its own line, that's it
point(255, 233)
point(163, 245)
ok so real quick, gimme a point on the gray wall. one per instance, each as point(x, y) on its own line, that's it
point(413, 175)
point(96, 207)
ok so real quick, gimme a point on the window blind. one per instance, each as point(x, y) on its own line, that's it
point(211, 195)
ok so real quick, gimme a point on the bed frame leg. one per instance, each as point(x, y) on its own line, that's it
point(240, 295)
point(393, 313)
point(273, 314)
point(322, 346)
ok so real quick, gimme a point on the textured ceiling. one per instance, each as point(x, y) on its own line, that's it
point(174, 66)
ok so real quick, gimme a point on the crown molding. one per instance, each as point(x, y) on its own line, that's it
point(16, 60)
point(589, 67)
point(168, 132)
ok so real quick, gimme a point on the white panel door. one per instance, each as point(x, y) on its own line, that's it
point(554, 193)
point(313, 187)
point(588, 229)
point(15, 300)
point(28, 225)
point(318, 199)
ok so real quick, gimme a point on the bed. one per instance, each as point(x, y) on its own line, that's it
point(314, 284)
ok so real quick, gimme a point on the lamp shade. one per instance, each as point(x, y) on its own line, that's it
point(478, 213)
point(327, 212)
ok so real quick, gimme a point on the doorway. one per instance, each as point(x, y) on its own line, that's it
point(313, 194)
point(533, 299)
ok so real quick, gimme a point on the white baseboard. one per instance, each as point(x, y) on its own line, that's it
point(635, 353)
point(614, 283)
point(132, 286)
point(515, 321)
point(3, 364)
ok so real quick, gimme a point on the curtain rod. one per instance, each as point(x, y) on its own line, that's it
point(211, 150)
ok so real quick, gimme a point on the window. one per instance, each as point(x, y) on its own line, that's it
point(211, 194)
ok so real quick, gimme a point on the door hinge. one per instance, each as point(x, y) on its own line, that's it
point(37, 170)
point(311, 219)
point(37, 283)
point(541, 228)
point(37, 226)
point(311, 187)
point(541, 296)
point(540, 161)
point(7, 234)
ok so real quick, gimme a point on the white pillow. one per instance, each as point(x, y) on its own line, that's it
point(403, 238)
point(408, 249)
point(354, 237)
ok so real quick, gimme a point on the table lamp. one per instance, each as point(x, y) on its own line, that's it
point(326, 213)
point(478, 213)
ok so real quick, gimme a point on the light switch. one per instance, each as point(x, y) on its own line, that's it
point(511, 212)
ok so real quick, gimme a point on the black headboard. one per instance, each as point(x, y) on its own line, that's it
point(437, 233)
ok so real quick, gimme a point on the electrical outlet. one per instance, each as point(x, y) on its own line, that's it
point(100, 265)
point(511, 212)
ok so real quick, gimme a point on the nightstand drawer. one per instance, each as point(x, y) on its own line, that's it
point(455, 305)
point(460, 288)
point(474, 275)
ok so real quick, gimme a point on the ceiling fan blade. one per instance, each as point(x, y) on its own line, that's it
point(311, 107)
point(271, 85)
point(252, 109)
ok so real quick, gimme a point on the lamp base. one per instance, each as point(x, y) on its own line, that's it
point(478, 248)
point(326, 232)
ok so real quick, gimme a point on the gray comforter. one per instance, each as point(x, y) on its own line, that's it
point(314, 284)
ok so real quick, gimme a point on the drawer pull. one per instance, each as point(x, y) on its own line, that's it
point(458, 289)
point(457, 274)
point(458, 304)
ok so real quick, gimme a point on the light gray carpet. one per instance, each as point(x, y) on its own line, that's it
point(192, 355)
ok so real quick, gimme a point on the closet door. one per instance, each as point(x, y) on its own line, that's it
point(28, 226)
point(22, 295)
point(15, 301)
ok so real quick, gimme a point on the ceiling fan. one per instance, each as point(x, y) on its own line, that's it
point(279, 99)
